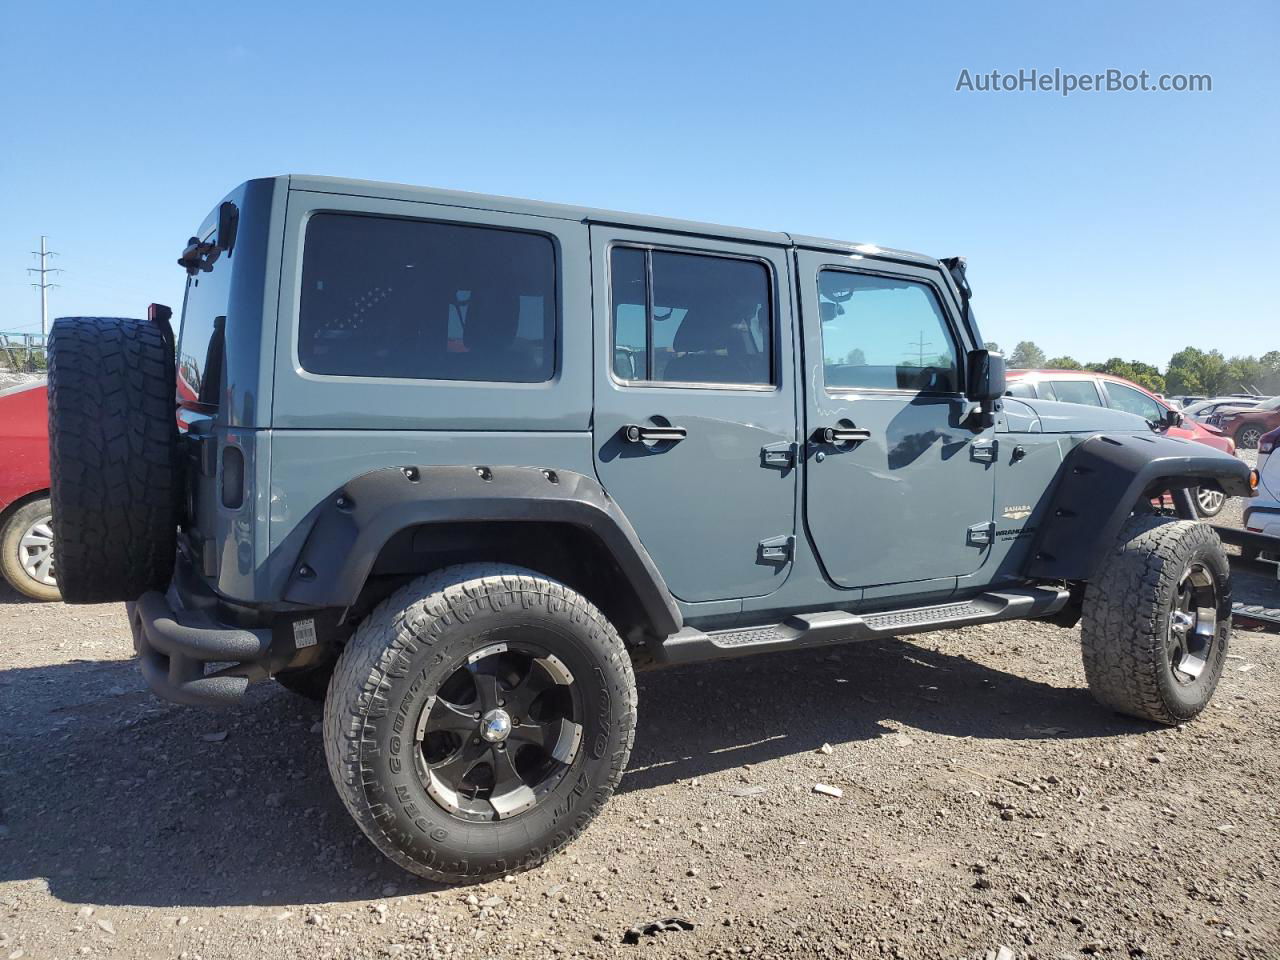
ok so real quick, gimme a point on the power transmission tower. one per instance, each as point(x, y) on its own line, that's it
point(44, 286)
point(920, 345)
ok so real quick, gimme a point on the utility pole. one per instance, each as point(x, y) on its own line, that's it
point(44, 253)
point(920, 345)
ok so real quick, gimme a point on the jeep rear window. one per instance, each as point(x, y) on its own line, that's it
point(204, 310)
point(416, 299)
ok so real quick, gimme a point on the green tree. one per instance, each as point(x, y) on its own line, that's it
point(1026, 355)
point(1143, 374)
point(1271, 372)
point(1194, 371)
point(1244, 373)
point(992, 346)
point(1063, 363)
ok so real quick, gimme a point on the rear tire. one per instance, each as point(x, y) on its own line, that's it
point(439, 776)
point(26, 551)
point(113, 458)
point(1157, 620)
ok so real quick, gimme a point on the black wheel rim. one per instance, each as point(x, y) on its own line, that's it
point(1193, 624)
point(500, 733)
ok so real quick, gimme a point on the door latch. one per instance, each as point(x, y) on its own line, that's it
point(984, 451)
point(979, 535)
point(781, 454)
point(776, 549)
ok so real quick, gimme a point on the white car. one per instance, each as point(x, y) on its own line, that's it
point(1198, 411)
point(1262, 515)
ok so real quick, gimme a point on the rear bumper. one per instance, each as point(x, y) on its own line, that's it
point(175, 647)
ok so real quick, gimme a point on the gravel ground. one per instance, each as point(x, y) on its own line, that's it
point(987, 802)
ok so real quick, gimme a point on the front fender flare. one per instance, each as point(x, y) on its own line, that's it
point(351, 527)
point(1103, 479)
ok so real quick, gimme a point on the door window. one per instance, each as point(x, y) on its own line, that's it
point(1133, 401)
point(884, 333)
point(690, 318)
point(1076, 391)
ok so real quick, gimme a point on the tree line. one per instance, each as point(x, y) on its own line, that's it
point(1190, 371)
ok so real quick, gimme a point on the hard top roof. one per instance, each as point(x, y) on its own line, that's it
point(560, 211)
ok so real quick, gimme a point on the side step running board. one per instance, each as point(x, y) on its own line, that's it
point(1250, 611)
point(837, 626)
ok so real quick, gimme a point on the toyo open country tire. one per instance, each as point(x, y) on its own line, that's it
point(419, 691)
point(1157, 620)
point(113, 458)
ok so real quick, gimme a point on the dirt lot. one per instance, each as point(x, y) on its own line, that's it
point(987, 802)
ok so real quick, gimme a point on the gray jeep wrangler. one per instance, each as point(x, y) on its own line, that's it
point(460, 464)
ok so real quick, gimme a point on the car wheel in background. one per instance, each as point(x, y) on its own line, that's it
point(1210, 500)
point(26, 550)
point(1248, 436)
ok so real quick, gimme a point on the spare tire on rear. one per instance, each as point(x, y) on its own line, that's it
point(113, 456)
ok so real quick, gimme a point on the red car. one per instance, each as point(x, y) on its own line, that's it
point(1249, 424)
point(26, 537)
point(1104, 390)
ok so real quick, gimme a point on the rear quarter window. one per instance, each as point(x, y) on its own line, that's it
point(399, 298)
point(204, 311)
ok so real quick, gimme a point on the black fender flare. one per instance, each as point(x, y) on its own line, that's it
point(1101, 481)
point(351, 527)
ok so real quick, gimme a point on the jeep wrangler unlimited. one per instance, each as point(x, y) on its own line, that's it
point(459, 464)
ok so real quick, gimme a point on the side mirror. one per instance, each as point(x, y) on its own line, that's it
point(1172, 418)
point(986, 380)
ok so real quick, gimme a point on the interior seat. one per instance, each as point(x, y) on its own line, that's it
point(715, 347)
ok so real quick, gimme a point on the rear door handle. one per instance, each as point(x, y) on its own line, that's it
point(635, 433)
point(833, 435)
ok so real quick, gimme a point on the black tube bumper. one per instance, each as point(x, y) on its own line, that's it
point(175, 646)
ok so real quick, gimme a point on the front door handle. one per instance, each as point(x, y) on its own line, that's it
point(834, 435)
point(636, 433)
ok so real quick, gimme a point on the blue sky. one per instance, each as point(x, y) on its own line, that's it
point(1099, 224)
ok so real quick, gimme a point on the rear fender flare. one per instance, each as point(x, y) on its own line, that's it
point(1103, 479)
point(349, 529)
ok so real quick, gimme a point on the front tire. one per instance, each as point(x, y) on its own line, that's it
point(1157, 620)
point(478, 720)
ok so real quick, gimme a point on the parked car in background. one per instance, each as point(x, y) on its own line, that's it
point(1246, 425)
point(1262, 515)
point(1206, 408)
point(1105, 390)
point(26, 531)
point(1184, 401)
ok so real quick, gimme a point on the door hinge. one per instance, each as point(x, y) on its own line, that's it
point(782, 454)
point(775, 549)
point(983, 451)
point(979, 535)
